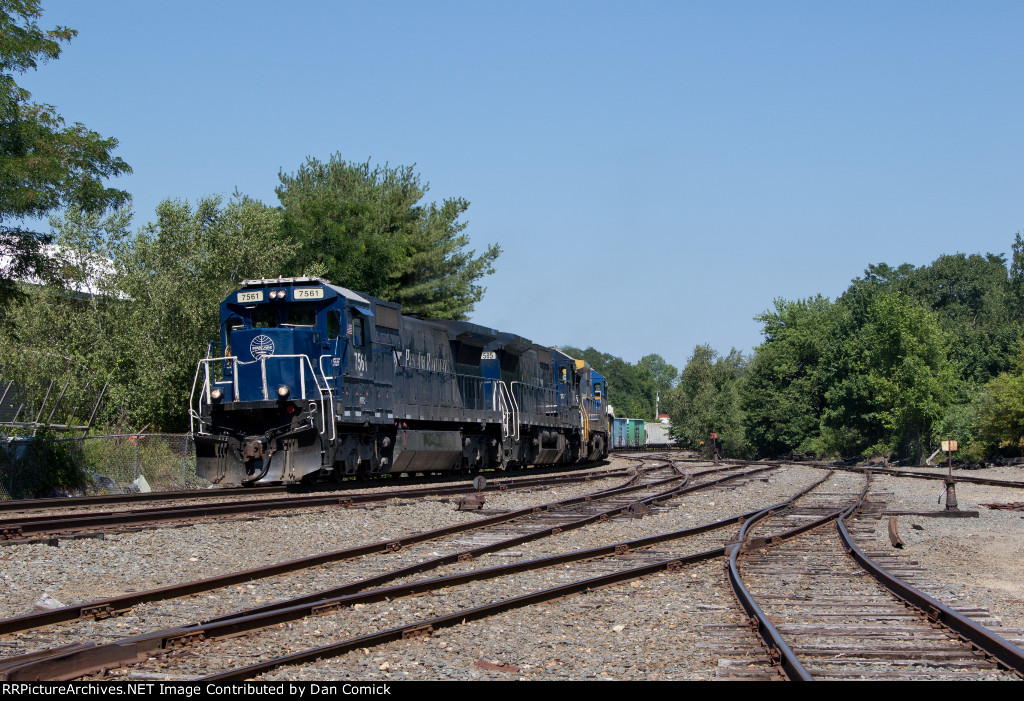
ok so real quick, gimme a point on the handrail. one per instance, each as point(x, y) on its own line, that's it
point(330, 398)
point(499, 403)
point(545, 396)
point(515, 416)
point(207, 386)
point(302, 380)
point(511, 400)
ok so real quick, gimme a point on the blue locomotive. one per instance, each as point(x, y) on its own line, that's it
point(319, 382)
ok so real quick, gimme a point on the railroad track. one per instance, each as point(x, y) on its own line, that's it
point(64, 504)
point(69, 522)
point(624, 502)
point(939, 476)
point(541, 576)
point(407, 545)
point(827, 609)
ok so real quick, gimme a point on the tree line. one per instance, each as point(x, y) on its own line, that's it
point(135, 308)
point(906, 357)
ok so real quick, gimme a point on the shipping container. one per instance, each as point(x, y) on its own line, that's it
point(657, 435)
point(619, 435)
point(636, 436)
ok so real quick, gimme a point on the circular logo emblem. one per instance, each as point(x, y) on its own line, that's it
point(261, 347)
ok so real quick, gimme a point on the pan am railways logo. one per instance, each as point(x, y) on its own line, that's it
point(261, 347)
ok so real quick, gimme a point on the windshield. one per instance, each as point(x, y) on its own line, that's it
point(288, 316)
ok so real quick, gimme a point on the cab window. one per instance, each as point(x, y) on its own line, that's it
point(299, 316)
point(333, 323)
point(233, 324)
point(357, 331)
point(597, 390)
point(265, 318)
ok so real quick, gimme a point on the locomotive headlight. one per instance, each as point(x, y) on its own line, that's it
point(283, 391)
point(217, 394)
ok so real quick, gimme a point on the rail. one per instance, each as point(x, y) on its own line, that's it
point(1007, 654)
point(779, 652)
point(991, 644)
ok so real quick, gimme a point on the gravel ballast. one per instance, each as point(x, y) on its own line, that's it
point(666, 626)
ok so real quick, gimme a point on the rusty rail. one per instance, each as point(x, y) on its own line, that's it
point(116, 605)
point(778, 651)
point(1006, 653)
point(80, 660)
point(990, 482)
point(19, 529)
point(26, 505)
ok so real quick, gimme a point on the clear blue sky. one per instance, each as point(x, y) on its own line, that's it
point(656, 172)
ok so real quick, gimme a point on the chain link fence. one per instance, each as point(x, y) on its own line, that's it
point(42, 467)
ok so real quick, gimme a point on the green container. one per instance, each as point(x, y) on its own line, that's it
point(636, 434)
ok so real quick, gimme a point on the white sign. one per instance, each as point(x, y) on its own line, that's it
point(308, 293)
point(247, 297)
point(489, 355)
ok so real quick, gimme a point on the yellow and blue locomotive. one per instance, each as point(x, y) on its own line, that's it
point(319, 382)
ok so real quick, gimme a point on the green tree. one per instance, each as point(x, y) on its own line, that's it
point(1017, 267)
point(137, 310)
point(974, 302)
point(892, 381)
point(783, 392)
point(707, 399)
point(366, 228)
point(1001, 411)
point(631, 388)
point(658, 374)
point(62, 332)
point(976, 299)
point(45, 164)
point(170, 279)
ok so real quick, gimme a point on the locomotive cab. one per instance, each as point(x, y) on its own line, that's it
point(271, 395)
